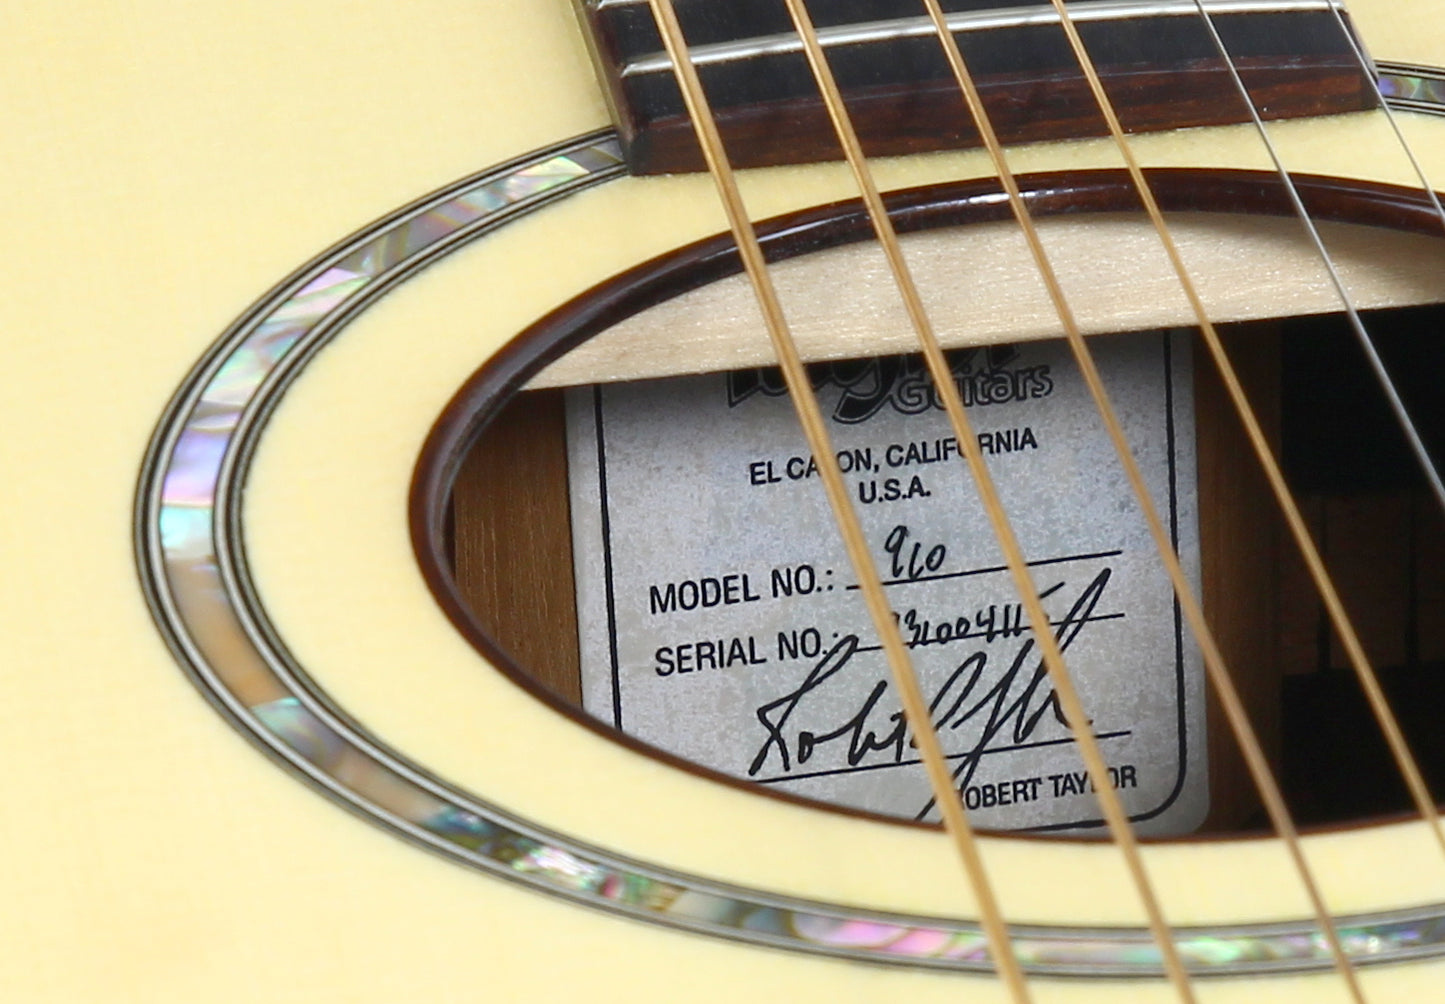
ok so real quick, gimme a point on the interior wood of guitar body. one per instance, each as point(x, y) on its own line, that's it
point(1382, 538)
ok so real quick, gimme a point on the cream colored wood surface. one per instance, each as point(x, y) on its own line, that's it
point(163, 166)
point(980, 282)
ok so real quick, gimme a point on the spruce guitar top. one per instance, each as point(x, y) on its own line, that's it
point(267, 272)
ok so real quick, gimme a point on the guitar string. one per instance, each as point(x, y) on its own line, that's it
point(1079, 724)
point(815, 430)
point(976, 460)
point(1219, 675)
point(1253, 755)
point(1359, 661)
point(1239, 722)
point(1357, 324)
point(1369, 680)
point(1309, 552)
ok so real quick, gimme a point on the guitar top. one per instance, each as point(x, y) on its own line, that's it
point(168, 167)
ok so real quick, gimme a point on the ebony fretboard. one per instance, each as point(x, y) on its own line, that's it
point(1156, 58)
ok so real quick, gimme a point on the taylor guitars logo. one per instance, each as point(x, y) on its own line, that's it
point(982, 375)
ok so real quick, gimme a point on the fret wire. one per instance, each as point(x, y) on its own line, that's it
point(1218, 672)
point(1110, 802)
point(716, 53)
point(815, 430)
point(1359, 661)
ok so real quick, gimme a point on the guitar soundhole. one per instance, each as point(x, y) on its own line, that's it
point(512, 543)
point(1383, 536)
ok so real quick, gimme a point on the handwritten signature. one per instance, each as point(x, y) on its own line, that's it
point(1007, 710)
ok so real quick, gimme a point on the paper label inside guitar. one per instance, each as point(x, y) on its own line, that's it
point(719, 618)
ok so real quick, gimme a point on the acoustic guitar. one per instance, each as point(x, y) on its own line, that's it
point(253, 256)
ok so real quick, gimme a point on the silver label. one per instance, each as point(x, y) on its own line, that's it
point(720, 619)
